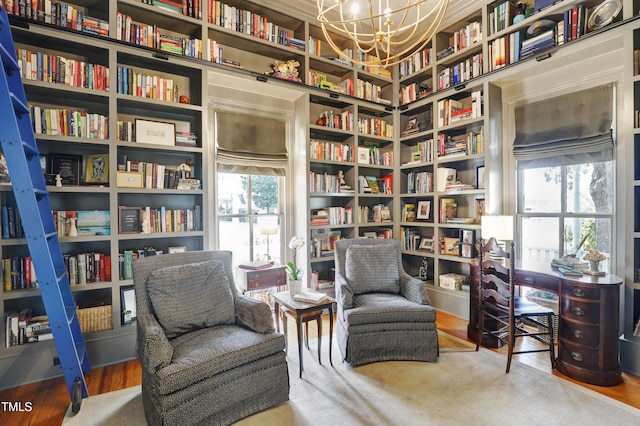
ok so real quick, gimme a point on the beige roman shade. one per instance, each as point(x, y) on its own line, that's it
point(565, 130)
point(250, 144)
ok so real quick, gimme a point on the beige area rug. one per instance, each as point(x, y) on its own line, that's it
point(463, 387)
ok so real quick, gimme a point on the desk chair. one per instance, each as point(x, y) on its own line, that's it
point(504, 315)
point(306, 318)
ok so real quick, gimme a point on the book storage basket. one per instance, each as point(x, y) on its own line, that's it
point(97, 318)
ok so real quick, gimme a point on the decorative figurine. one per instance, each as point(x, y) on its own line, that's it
point(58, 181)
point(343, 184)
point(286, 70)
point(424, 269)
point(73, 231)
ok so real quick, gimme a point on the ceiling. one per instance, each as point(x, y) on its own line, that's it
point(307, 9)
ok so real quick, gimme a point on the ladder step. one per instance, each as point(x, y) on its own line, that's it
point(29, 149)
point(71, 313)
point(18, 105)
point(51, 235)
point(8, 60)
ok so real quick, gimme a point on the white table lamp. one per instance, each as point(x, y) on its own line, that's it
point(498, 227)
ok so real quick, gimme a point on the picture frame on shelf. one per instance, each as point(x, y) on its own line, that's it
point(467, 236)
point(451, 246)
point(67, 166)
point(423, 211)
point(128, 303)
point(129, 220)
point(97, 169)
point(480, 182)
point(129, 179)
point(93, 222)
point(426, 244)
point(480, 209)
point(155, 132)
point(466, 250)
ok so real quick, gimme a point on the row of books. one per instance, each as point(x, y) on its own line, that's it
point(374, 214)
point(375, 185)
point(374, 155)
point(11, 223)
point(154, 175)
point(371, 66)
point(323, 150)
point(382, 233)
point(461, 72)
point(424, 153)
point(151, 36)
point(416, 62)
point(66, 122)
point(324, 183)
point(131, 82)
point(466, 36)
point(57, 13)
point(452, 110)
point(332, 216)
point(369, 91)
point(84, 268)
point(247, 22)
point(22, 327)
point(505, 50)
point(414, 91)
point(341, 121)
point(126, 258)
point(460, 145)
point(411, 239)
point(318, 79)
point(18, 273)
point(52, 68)
point(316, 48)
point(501, 16)
point(419, 182)
point(162, 219)
point(191, 8)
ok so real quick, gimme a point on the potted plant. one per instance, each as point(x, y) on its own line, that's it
point(295, 273)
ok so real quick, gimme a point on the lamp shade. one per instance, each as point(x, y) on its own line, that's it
point(498, 227)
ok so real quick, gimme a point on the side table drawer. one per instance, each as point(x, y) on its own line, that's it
point(584, 334)
point(266, 282)
point(579, 356)
point(587, 312)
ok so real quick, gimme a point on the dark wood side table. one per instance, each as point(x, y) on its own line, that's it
point(257, 279)
point(300, 309)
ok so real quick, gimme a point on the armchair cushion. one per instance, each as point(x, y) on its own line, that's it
point(372, 269)
point(190, 297)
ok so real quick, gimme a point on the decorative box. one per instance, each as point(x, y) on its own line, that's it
point(453, 281)
point(98, 318)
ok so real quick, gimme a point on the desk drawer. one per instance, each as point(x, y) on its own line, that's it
point(266, 275)
point(578, 355)
point(266, 282)
point(584, 334)
point(577, 310)
point(580, 292)
point(531, 279)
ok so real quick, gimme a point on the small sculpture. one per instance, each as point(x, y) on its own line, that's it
point(594, 258)
point(286, 70)
point(343, 184)
point(73, 230)
point(58, 181)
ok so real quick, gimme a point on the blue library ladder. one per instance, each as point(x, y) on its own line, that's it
point(32, 199)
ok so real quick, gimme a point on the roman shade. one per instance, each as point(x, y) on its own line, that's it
point(565, 130)
point(250, 144)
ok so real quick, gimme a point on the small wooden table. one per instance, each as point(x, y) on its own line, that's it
point(301, 308)
point(257, 279)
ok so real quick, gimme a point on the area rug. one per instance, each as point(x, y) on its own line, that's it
point(463, 387)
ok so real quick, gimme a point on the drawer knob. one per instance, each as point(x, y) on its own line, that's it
point(579, 334)
point(578, 292)
point(578, 311)
point(529, 281)
point(576, 356)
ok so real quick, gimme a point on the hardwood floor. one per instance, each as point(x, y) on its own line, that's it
point(49, 399)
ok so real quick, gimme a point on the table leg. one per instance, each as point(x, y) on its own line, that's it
point(299, 327)
point(276, 308)
point(319, 322)
point(330, 332)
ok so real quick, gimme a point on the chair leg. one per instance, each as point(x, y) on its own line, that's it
point(512, 342)
point(319, 322)
point(552, 343)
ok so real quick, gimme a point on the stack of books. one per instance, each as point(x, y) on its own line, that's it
point(534, 45)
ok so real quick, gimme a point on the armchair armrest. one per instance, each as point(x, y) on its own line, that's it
point(344, 295)
point(414, 289)
point(154, 349)
point(253, 314)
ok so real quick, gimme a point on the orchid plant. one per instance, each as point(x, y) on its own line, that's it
point(294, 272)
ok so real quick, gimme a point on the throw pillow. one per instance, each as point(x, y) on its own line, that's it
point(372, 269)
point(189, 297)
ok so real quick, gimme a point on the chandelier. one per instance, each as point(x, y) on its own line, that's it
point(387, 30)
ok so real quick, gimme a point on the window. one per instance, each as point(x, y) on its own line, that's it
point(249, 216)
point(566, 210)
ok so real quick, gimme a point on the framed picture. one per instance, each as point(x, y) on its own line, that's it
point(467, 236)
point(97, 169)
point(156, 132)
point(370, 234)
point(426, 244)
point(129, 179)
point(363, 155)
point(451, 246)
point(480, 177)
point(67, 166)
point(181, 249)
point(93, 222)
point(480, 209)
point(466, 250)
point(128, 304)
point(424, 210)
point(129, 220)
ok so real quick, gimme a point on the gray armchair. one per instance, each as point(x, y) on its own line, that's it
point(209, 354)
point(383, 313)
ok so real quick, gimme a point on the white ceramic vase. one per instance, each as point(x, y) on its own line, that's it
point(295, 287)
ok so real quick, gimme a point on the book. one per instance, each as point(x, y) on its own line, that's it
point(310, 296)
point(255, 266)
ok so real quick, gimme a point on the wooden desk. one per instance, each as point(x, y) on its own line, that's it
point(250, 279)
point(589, 310)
